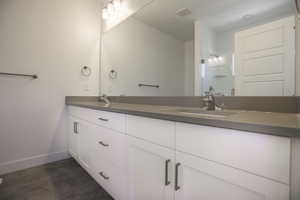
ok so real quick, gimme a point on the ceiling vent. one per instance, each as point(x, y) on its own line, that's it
point(183, 12)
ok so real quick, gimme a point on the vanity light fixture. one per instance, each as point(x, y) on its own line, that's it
point(111, 9)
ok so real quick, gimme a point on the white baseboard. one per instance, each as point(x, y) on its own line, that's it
point(26, 163)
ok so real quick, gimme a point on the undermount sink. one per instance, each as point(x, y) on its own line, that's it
point(203, 113)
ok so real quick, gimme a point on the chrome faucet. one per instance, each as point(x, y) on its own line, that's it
point(106, 100)
point(210, 102)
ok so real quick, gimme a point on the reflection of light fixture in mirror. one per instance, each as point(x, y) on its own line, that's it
point(110, 9)
point(215, 59)
point(233, 64)
point(203, 70)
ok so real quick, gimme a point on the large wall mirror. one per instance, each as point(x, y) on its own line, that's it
point(192, 47)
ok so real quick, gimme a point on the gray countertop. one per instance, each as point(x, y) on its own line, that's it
point(279, 124)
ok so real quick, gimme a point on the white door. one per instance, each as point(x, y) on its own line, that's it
point(73, 137)
point(200, 179)
point(150, 171)
point(265, 59)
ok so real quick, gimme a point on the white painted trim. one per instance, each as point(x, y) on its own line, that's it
point(29, 162)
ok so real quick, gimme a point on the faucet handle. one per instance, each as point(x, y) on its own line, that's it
point(220, 106)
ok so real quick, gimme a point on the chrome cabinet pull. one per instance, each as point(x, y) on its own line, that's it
point(103, 119)
point(103, 176)
point(176, 176)
point(103, 144)
point(167, 182)
point(75, 128)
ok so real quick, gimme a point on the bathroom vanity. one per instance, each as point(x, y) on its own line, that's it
point(191, 49)
point(151, 152)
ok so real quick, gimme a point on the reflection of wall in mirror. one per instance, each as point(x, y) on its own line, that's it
point(209, 42)
point(142, 54)
point(204, 46)
point(189, 68)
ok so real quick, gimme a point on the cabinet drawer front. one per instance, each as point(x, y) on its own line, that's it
point(114, 121)
point(202, 179)
point(111, 178)
point(157, 131)
point(110, 146)
point(263, 155)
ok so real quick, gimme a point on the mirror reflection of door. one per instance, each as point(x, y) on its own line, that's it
point(260, 62)
point(265, 59)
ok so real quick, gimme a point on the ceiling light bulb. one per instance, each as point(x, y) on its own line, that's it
point(104, 14)
point(210, 60)
point(220, 58)
point(117, 4)
point(110, 9)
point(216, 59)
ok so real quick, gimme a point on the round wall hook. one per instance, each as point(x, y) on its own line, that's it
point(113, 74)
point(86, 71)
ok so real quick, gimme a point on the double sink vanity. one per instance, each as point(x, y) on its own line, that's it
point(138, 151)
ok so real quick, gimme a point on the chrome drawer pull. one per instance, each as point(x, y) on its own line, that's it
point(103, 119)
point(167, 182)
point(103, 176)
point(75, 127)
point(176, 176)
point(103, 144)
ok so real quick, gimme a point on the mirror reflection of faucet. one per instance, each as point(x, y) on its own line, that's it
point(210, 101)
point(106, 99)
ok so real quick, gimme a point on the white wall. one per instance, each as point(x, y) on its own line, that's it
point(142, 54)
point(189, 68)
point(53, 38)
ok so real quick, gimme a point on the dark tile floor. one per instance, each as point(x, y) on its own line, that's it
point(63, 180)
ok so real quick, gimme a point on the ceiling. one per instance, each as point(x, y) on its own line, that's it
point(221, 15)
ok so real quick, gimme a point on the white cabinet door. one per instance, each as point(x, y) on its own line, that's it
point(84, 141)
point(200, 179)
point(150, 174)
point(73, 137)
point(265, 59)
